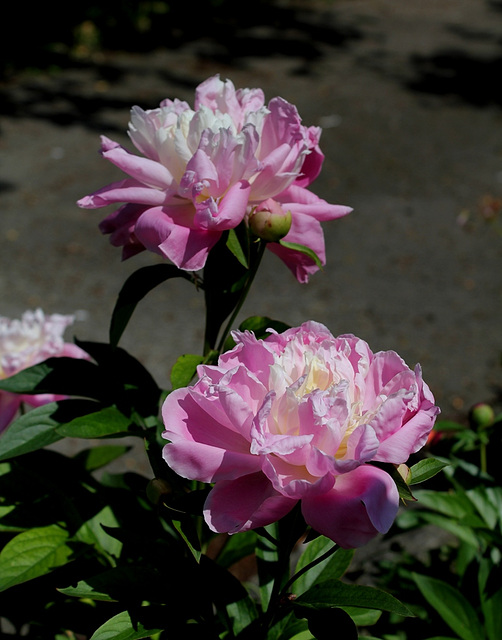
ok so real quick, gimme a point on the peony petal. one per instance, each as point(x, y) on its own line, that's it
point(188, 248)
point(229, 212)
point(148, 172)
point(9, 406)
point(411, 437)
point(128, 190)
point(206, 463)
point(185, 418)
point(362, 504)
point(245, 503)
point(300, 200)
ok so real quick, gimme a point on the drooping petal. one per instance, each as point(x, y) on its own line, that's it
point(245, 503)
point(362, 503)
point(128, 190)
point(300, 200)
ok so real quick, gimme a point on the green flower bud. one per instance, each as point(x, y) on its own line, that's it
point(269, 221)
point(481, 416)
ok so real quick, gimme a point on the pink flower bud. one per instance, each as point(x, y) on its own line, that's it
point(269, 221)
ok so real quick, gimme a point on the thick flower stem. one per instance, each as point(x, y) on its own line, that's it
point(251, 276)
point(227, 281)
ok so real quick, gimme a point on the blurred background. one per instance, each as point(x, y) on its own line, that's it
point(409, 97)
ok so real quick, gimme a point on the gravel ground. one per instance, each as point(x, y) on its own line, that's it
point(409, 97)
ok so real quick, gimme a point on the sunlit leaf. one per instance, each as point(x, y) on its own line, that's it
point(302, 249)
point(93, 533)
point(33, 553)
point(39, 427)
point(122, 627)
point(236, 248)
point(184, 369)
point(425, 469)
point(106, 422)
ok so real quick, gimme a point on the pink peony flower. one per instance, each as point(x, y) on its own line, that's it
point(203, 171)
point(299, 416)
point(24, 343)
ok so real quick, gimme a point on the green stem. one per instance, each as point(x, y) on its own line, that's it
point(251, 276)
point(483, 461)
point(307, 567)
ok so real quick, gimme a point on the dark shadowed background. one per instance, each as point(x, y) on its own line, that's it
point(409, 96)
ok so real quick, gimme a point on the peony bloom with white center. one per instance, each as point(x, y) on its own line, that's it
point(204, 170)
point(299, 416)
point(25, 342)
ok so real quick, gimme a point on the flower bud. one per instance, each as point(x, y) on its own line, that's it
point(405, 472)
point(481, 416)
point(157, 489)
point(269, 221)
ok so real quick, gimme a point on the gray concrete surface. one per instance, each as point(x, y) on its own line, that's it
point(409, 96)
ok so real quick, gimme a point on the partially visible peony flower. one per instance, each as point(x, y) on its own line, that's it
point(203, 171)
point(25, 342)
point(299, 417)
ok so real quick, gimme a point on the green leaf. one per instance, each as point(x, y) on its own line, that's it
point(363, 617)
point(33, 553)
point(92, 532)
point(488, 508)
point(237, 547)
point(452, 606)
point(267, 557)
point(489, 581)
point(122, 627)
point(426, 469)
point(302, 249)
point(98, 457)
point(184, 369)
point(63, 376)
point(333, 567)
point(333, 593)
point(106, 422)
point(449, 504)
point(135, 289)
point(492, 612)
point(448, 523)
point(39, 427)
point(236, 248)
point(449, 425)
